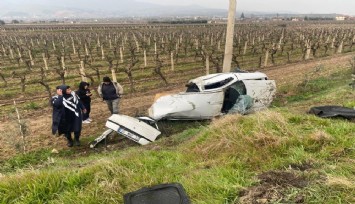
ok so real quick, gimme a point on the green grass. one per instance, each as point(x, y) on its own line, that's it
point(214, 163)
point(23, 161)
point(312, 88)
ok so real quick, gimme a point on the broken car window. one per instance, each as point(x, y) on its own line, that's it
point(192, 87)
point(218, 84)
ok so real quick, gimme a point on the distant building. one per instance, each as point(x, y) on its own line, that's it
point(340, 18)
point(277, 19)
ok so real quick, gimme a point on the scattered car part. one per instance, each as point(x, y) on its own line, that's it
point(142, 130)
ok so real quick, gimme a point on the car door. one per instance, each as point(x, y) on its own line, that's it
point(262, 92)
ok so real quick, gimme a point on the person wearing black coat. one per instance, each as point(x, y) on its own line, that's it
point(67, 114)
point(85, 97)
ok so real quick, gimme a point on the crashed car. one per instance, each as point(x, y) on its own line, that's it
point(216, 94)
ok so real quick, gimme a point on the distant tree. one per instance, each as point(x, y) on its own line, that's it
point(15, 21)
point(2, 22)
point(306, 18)
point(242, 16)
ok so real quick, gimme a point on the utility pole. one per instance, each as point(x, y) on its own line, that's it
point(228, 53)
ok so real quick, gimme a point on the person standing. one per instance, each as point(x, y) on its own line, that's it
point(111, 93)
point(67, 116)
point(85, 97)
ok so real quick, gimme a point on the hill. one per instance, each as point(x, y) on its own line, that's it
point(42, 9)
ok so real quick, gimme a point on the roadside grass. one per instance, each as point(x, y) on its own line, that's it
point(23, 161)
point(312, 87)
point(215, 163)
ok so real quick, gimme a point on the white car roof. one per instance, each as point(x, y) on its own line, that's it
point(232, 77)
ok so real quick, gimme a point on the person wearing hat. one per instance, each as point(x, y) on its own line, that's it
point(111, 93)
point(67, 116)
point(85, 97)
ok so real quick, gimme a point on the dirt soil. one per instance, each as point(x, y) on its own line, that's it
point(272, 188)
point(38, 123)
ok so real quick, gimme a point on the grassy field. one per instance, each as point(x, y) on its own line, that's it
point(280, 155)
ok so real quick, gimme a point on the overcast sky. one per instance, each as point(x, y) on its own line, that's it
point(297, 6)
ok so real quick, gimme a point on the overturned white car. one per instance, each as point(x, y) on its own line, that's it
point(216, 94)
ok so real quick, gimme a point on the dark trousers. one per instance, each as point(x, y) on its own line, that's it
point(76, 136)
point(88, 110)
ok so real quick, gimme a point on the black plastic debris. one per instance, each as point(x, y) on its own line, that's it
point(161, 194)
point(333, 111)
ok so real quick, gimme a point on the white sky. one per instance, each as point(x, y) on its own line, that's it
point(296, 6)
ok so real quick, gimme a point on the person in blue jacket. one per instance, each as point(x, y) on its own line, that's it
point(67, 114)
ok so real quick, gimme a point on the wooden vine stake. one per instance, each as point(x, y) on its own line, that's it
point(31, 58)
point(266, 57)
point(21, 128)
point(19, 54)
point(172, 61)
point(82, 71)
point(145, 58)
point(121, 54)
point(207, 65)
point(114, 78)
point(45, 61)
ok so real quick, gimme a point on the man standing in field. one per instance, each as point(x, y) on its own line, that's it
point(111, 93)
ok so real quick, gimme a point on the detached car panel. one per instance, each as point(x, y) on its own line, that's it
point(262, 92)
point(142, 130)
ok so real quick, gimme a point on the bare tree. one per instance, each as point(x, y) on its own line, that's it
point(96, 69)
point(352, 64)
point(43, 82)
point(3, 77)
point(131, 64)
point(61, 70)
point(158, 66)
point(22, 77)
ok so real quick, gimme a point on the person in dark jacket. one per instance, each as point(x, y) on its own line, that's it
point(85, 97)
point(67, 116)
point(111, 93)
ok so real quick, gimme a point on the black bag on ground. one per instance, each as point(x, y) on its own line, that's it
point(161, 194)
point(333, 111)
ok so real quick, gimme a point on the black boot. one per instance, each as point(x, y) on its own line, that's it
point(70, 140)
point(76, 138)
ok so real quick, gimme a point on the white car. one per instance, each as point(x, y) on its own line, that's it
point(216, 94)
